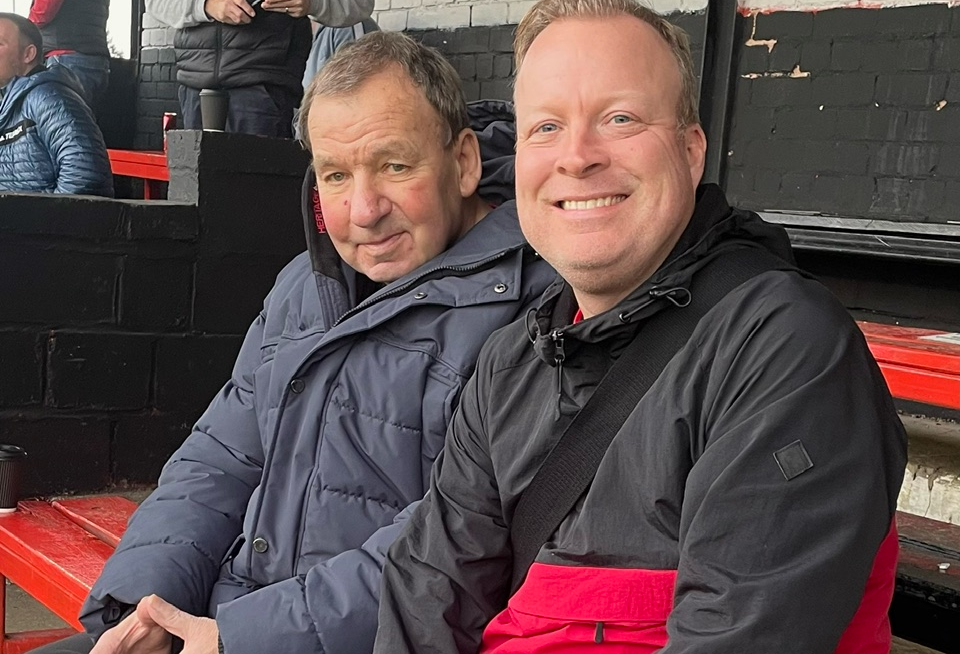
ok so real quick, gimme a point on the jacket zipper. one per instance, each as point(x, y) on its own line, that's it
point(558, 356)
point(216, 57)
point(459, 271)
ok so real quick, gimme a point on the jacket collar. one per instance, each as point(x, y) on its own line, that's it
point(714, 225)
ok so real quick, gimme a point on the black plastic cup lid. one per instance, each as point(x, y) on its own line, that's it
point(8, 452)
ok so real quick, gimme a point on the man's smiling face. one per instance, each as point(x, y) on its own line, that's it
point(606, 178)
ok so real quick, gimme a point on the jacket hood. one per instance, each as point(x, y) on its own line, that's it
point(713, 228)
point(496, 126)
point(18, 88)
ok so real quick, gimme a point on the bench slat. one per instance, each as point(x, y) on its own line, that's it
point(50, 557)
point(103, 516)
point(922, 385)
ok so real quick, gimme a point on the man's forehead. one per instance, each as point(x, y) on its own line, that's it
point(329, 153)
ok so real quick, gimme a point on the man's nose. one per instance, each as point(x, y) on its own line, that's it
point(368, 204)
point(583, 153)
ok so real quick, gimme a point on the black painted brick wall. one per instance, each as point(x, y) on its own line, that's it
point(484, 55)
point(158, 94)
point(869, 123)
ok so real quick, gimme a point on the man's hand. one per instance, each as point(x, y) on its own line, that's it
point(231, 12)
point(199, 635)
point(132, 636)
point(294, 8)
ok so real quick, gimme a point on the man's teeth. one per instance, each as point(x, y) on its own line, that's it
point(570, 205)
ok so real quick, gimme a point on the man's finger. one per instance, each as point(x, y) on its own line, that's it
point(166, 615)
point(246, 8)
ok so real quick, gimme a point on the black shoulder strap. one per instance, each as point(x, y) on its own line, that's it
point(570, 467)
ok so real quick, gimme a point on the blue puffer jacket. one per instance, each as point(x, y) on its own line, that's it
point(276, 513)
point(49, 140)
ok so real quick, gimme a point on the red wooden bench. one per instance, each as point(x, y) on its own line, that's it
point(150, 166)
point(54, 551)
point(922, 365)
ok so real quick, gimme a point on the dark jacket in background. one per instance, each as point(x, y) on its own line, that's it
point(78, 25)
point(49, 140)
point(270, 50)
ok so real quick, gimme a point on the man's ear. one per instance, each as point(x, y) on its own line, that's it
point(695, 148)
point(29, 55)
point(467, 151)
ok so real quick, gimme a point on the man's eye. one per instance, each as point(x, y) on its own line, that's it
point(334, 178)
point(397, 167)
point(621, 119)
point(546, 128)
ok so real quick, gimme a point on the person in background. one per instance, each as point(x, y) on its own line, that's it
point(254, 51)
point(49, 140)
point(75, 36)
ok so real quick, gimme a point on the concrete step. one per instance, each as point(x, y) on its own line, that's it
point(931, 483)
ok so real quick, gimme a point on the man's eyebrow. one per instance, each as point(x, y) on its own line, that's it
point(395, 148)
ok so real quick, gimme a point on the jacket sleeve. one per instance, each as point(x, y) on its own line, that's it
point(448, 573)
point(795, 489)
point(178, 13)
point(71, 137)
point(43, 11)
point(340, 13)
point(331, 608)
point(176, 540)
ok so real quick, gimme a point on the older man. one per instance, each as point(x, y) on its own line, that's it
point(745, 502)
point(49, 140)
point(274, 516)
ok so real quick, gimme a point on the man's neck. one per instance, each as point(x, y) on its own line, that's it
point(474, 209)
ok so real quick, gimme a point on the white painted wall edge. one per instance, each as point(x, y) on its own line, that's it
point(765, 6)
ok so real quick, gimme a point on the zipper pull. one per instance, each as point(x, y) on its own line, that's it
point(558, 356)
point(598, 634)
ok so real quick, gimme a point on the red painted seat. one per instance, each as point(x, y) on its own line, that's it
point(54, 551)
point(922, 365)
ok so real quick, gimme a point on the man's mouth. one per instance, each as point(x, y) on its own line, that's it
point(593, 203)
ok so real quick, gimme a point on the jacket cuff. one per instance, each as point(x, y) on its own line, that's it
point(200, 13)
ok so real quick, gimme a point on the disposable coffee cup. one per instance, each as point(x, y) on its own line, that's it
point(213, 109)
point(12, 460)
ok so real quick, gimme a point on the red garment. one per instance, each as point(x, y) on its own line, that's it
point(53, 53)
point(44, 11)
point(562, 609)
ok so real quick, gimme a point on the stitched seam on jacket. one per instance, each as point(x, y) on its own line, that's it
point(353, 409)
point(360, 496)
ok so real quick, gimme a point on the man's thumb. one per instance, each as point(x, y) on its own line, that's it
point(164, 614)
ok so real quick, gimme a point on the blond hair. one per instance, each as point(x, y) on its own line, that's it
point(545, 12)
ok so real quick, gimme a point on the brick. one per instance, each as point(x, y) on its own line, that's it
point(952, 93)
point(694, 22)
point(767, 182)
point(471, 91)
point(837, 157)
point(167, 90)
point(916, 54)
point(797, 185)
point(167, 56)
point(516, 10)
point(762, 154)
point(900, 160)
point(496, 89)
point(855, 195)
point(469, 41)
point(882, 56)
point(777, 24)
point(805, 123)
point(846, 55)
point(149, 56)
point(872, 123)
point(466, 66)
point(845, 22)
point(739, 184)
point(910, 89)
point(502, 65)
point(143, 443)
point(404, 4)
point(752, 59)
point(501, 38)
point(44, 286)
point(921, 20)
point(946, 53)
point(191, 369)
point(785, 56)
point(230, 291)
point(484, 66)
point(155, 294)
point(815, 56)
point(949, 162)
point(146, 73)
point(934, 126)
point(906, 198)
point(21, 360)
point(779, 92)
point(843, 89)
point(59, 215)
point(447, 17)
point(755, 122)
point(109, 370)
point(393, 20)
point(494, 13)
point(65, 454)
